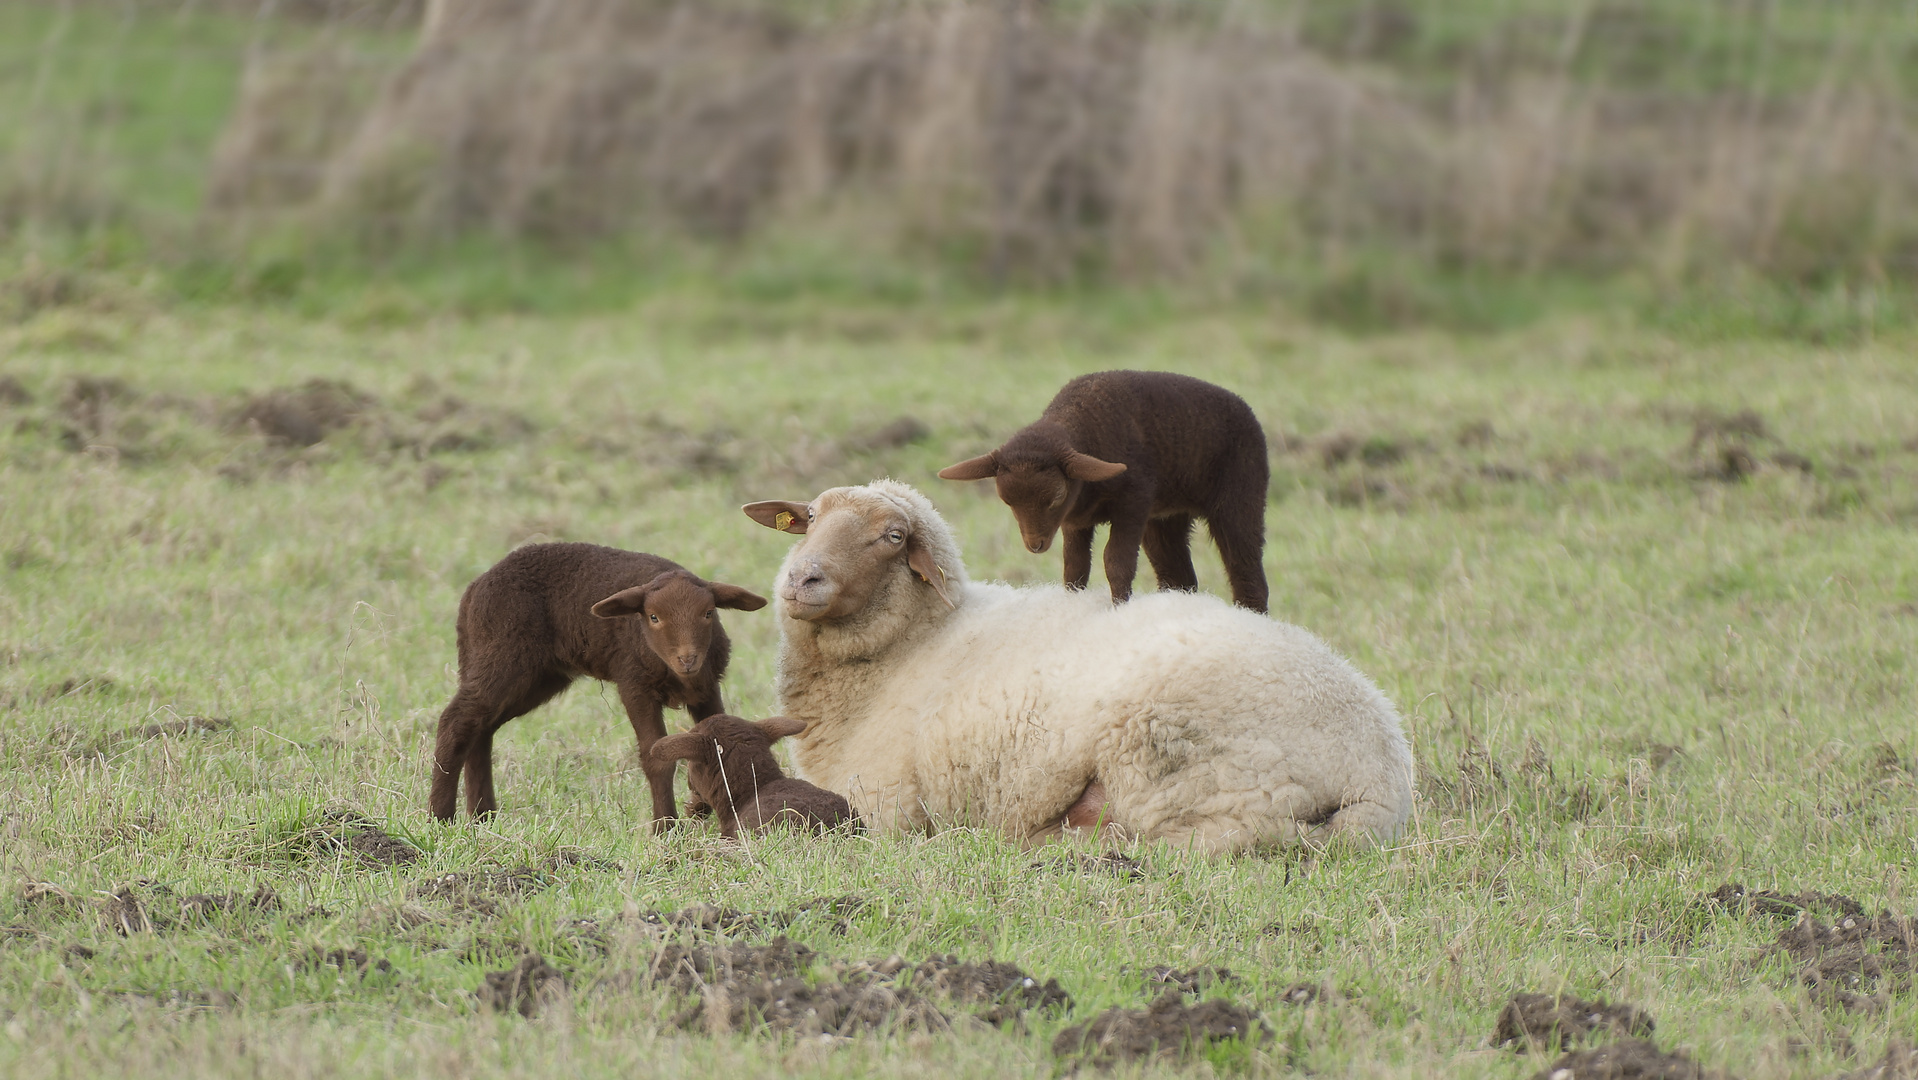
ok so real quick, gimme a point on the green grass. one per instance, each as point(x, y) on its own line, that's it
point(1522, 544)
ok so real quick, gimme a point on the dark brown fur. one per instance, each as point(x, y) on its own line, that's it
point(549, 613)
point(1145, 452)
point(731, 766)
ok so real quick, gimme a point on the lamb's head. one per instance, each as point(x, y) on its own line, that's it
point(728, 757)
point(862, 548)
point(1039, 474)
point(677, 615)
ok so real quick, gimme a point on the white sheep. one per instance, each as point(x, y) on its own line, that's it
point(1178, 717)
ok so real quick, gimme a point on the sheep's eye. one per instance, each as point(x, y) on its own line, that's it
point(896, 536)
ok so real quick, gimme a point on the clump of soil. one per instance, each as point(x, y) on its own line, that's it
point(791, 1004)
point(687, 968)
point(710, 919)
point(186, 725)
point(1004, 989)
point(354, 960)
point(1899, 1063)
point(528, 987)
point(1301, 994)
point(1739, 900)
point(1110, 862)
point(304, 415)
point(481, 891)
point(46, 896)
point(1627, 1059)
point(201, 907)
point(127, 915)
point(1169, 1028)
point(14, 392)
point(1855, 962)
point(1187, 980)
point(1556, 1022)
point(348, 831)
point(901, 432)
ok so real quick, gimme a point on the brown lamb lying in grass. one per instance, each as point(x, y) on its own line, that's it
point(731, 766)
point(1145, 452)
point(547, 614)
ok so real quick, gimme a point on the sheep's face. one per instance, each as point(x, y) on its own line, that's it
point(849, 546)
point(1039, 498)
point(677, 615)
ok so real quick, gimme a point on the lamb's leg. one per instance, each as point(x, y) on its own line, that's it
point(1237, 525)
point(649, 726)
point(466, 715)
point(1076, 544)
point(1122, 555)
point(481, 801)
point(1168, 547)
point(696, 805)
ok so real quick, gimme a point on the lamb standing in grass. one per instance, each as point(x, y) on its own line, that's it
point(547, 614)
point(731, 766)
point(1145, 452)
point(930, 699)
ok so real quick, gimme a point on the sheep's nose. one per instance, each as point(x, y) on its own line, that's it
point(805, 576)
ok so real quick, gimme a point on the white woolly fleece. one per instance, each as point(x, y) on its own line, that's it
point(1210, 726)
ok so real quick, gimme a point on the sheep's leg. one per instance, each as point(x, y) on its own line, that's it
point(1077, 547)
point(481, 801)
point(1122, 556)
point(465, 716)
point(649, 726)
point(1168, 547)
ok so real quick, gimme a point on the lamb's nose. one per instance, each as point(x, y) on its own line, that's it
point(689, 663)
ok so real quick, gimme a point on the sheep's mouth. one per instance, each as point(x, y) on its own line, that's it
point(804, 610)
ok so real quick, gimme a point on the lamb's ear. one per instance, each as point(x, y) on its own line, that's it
point(776, 728)
point(979, 468)
point(778, 514)
point(736, 598)
point(675, 747)
point(624, 602)
point(919, 557)
point(1090, 469)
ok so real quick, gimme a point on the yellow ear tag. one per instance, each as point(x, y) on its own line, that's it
point(784, 519)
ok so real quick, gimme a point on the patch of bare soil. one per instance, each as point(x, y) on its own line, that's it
point(348, 831)
point(303, 415)
point(741, 987)
point(528, 988)
point(481, 891)
point(1856, 962)
point(1899, 1063)
point(1168, 1028)
point(1187, 980)
point(202, 907)
point(1739, 900)
point(14, 392)
point(1004, 990)
point(1627, 1059)
point(688, 968)
point(146, 907)
point(710, 919)
point(1557, 1022)
point(1110, 862)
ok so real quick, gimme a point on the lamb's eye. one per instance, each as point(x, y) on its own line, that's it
point(896, 536)
point(655, 619)
point(709, 614)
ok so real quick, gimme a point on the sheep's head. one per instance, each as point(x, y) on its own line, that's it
point(677, 614)
point(854, 539)
point(728, 757)
point(1039, 475)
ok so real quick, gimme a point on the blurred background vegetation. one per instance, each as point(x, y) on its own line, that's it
point(1715, 167)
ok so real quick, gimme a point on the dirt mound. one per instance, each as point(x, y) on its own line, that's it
point(202, 907)
point(712, 920)
point(354, 960)
point(527, 988)
point(901, 432)
point(687, 968)
point(1899, 1063)
point(482, 891)
point(186, 725)
point(304, 415)
point(348, 831)
point(1739, 900)
point(1856, 962)
point(1169, 1028)
point(147, 907)
point(791, 1004)
point(14, 392)
point(1627, 1059)
point(1557, 1022)
point(1187, 980)
point(1004, 989)
point(1110, 862)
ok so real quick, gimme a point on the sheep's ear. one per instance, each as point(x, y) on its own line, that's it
point(675, 747)
point(624, 602)
point(776, 728)
point(777, 514)
point(1090, 469)
point(979, 468)
point(919, 557)
point(732, 596)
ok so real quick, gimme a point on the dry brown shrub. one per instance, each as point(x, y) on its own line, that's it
point(1056, 139)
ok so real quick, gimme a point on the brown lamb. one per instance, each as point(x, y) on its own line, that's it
point(731, 766)
point(549, 613)
point(1145, 452)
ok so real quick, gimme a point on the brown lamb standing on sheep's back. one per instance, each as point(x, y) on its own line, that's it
point(1146, 452)
point(731, 766)
point(549, 613)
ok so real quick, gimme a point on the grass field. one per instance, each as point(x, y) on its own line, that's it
point(1647, 643)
